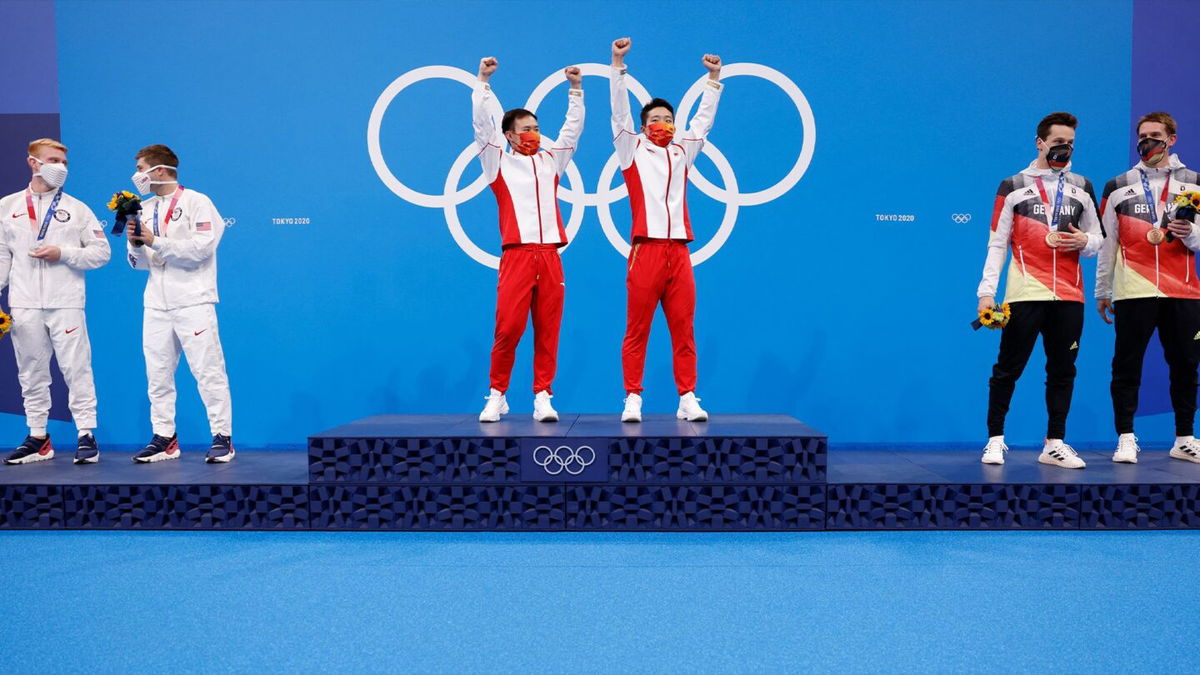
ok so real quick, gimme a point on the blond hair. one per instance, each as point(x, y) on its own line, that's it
point(45, 143)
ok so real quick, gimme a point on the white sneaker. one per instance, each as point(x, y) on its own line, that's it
point(1127, 449)
point(993, 452)
point(542, 410)
point(1057, 453)
point(496, 406)
point(633, 409)
point(690, 410)
point(1188, 451)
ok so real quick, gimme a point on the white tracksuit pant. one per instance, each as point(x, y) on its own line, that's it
point(194, 330)
point(38, 334)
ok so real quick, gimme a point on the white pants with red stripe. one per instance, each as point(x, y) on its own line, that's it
point(192, 330)
point(38, 334)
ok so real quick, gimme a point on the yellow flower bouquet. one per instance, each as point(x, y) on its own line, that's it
point(5, 324)
point(1186, 206)
point(996, 316)
point(124, 204)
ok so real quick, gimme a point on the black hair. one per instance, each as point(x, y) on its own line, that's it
point(511, 117)
point(656, 103)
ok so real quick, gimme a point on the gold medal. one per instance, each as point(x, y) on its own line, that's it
point(1053, 239)
point(1155, 236)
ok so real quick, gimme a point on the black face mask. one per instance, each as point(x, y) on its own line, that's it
point(1058, 156)
point(1150, 148)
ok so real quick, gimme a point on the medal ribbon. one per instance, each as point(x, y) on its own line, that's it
point(1150, 196)
point(167, 218)
point(1057, 200)
point(49, 212)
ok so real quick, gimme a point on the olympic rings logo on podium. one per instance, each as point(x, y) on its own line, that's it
point(554, 462)
point(605, 195)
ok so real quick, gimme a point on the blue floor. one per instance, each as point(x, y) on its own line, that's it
point(858, 602)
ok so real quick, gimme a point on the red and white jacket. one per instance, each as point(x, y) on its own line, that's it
point(1020, 222)
point(657, 177)
point(526, 186)
point(1129, 265)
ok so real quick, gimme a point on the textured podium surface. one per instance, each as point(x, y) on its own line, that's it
point(590, 472)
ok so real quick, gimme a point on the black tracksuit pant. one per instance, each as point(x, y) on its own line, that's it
point(1178, 324)
point(1060, 323)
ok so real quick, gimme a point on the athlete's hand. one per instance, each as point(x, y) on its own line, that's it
point(574, 76)
point(1104, 306)
point(1073, 240)
point(713, 63)
point(146, 237)
point(1180, 228)
point(487, 66)
point(986, 302)
point(47, 253)
point(620, 47)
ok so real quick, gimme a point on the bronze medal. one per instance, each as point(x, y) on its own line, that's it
point(1053, 239)
point(1155, 236)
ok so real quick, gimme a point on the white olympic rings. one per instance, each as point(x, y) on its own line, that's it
point(554, 462)
point(605, 194)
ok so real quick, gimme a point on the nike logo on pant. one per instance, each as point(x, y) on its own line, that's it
point(72, 330)
point(198, 332)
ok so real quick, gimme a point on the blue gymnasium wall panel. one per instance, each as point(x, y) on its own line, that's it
point(340, 299)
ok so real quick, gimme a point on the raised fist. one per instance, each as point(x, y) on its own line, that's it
point(487, 66)
point(712, 62)
point(574, 76)
point(620, 47)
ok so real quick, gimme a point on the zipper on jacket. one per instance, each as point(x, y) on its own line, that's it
point(537, 193)
point(1021, 255)
point(633, 256)
point(667, 198)
point(1054, 273)
point(1157, 274)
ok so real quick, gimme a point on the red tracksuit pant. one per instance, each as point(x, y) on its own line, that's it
point(660, 271)
point(531, 282)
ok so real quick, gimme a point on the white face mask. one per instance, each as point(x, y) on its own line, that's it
point(141, 179)
point(54, 175)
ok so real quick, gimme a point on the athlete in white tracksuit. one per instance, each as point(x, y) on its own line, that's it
point(48, 240)
point(181, 229)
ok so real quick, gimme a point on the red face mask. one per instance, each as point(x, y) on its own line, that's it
point(660, 133)
point(529, 143)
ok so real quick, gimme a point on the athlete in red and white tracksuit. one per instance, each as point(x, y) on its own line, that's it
point(47, 299)
point(659, 268)
point(179, 306)
point(1151, 288)
point(531, 229)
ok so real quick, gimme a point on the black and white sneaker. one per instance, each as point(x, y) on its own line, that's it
point(221, 450)
point(1057, 453)
point(160, 448)
point(1188, 451)
point(31, 450)
point(87, 452)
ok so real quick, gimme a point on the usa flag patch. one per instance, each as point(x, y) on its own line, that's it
point(203, 227)
point(98, 233)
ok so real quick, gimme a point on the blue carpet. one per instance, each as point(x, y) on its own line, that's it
point(856, 602)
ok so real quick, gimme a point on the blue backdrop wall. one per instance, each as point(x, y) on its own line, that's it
point(843, 300)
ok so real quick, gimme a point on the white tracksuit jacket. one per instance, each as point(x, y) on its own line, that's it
point(179, 306)
point(48, 298)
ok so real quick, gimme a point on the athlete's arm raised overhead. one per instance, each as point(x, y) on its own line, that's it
point(625, 138)
point(701, 123)
point(568, 137)
point(488, 138)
